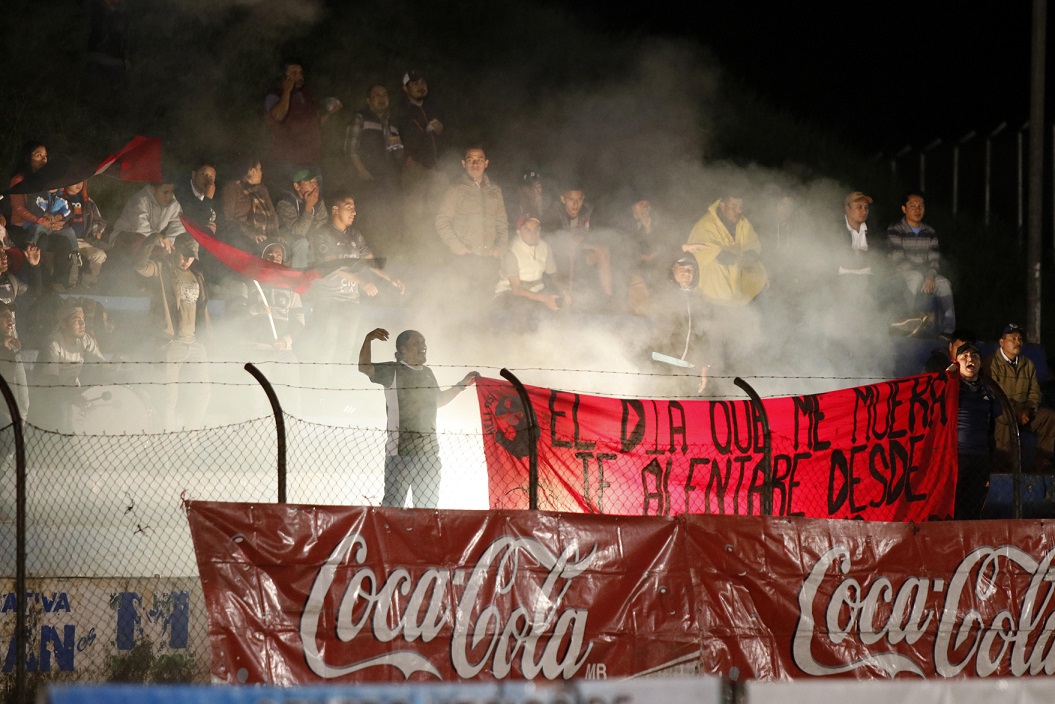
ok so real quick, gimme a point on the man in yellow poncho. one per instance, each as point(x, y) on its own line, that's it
point(727, 247)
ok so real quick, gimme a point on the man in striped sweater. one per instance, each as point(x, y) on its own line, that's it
point(915, 256)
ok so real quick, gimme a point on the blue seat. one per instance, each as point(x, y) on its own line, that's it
point(1038, 496)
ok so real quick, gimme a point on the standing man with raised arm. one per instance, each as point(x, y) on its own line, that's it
point(412, 395)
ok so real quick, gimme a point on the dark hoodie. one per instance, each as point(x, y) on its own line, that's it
point(680, 316)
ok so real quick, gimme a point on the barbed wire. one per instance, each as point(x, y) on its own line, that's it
point(147, 434)
point(569, 370)
point(562, 370)
point(374, 389)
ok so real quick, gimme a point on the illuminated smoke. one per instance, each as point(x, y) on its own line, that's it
point(647, 129)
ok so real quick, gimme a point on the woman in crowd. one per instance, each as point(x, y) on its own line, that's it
point(247, 208)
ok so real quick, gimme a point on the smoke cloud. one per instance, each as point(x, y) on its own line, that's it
point(644, 123)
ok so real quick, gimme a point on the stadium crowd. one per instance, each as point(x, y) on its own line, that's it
point(359, 195)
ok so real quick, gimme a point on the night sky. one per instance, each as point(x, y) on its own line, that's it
point(882, 75)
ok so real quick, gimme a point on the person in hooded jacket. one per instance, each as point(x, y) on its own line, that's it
point(680, 350)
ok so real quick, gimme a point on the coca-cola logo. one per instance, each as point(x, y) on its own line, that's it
point(977, 618)
point(487, 630)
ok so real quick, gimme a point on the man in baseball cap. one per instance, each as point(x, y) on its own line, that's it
point(421, 125)
point(301, 210)
point(858, 261)
point(526, 287)
point(529, 197)
point(1017, 377)
point(419, 122)
point(179, 304)
point(855, 265)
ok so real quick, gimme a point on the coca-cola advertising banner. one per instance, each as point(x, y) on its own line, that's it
point(883, 452)
point(313, 594)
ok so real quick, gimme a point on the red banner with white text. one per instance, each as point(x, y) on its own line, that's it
point(883, 452)
point(312, 594)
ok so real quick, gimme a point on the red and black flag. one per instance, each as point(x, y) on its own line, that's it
point(267, 272)
point(139, 160)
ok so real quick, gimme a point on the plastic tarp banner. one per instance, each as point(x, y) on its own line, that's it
point(884, 452)
point(310, 595)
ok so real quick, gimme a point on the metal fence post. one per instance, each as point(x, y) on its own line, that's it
point(20, 541)
point(733, 691)
point(893, 161)
point(767, 446)
point(956, 169)
point(280, 427)
point(533, 437)
point(1020, 181)
point(923, 162)
point(989, 167)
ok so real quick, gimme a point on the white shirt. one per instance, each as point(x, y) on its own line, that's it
point(529, 263)
point(145, 215)
point(858, 238)
point(858, 243)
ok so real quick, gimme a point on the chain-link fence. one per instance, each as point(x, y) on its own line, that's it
point(111, 590)
point(885, 451)
point(111, 587)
